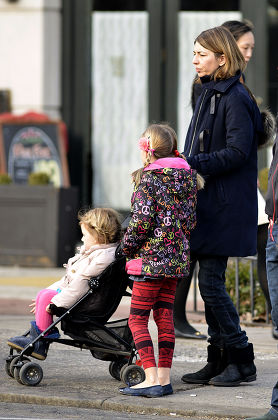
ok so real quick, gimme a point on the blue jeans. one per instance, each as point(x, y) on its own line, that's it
point(221, 315)
point(272, 278)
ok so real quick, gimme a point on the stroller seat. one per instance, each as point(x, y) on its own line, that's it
point(107, 290)
point(88, 321)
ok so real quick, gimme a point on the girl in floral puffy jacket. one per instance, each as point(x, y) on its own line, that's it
point(156, 245)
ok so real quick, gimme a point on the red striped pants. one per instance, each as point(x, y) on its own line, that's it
point(159, 296)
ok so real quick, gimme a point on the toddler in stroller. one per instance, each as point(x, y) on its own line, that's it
point(84, 299)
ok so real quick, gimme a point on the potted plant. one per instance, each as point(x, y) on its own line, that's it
point(5, 179)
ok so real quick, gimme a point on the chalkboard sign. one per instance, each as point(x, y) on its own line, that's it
point(33, 147)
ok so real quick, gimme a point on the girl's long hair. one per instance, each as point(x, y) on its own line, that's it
point(163, 140)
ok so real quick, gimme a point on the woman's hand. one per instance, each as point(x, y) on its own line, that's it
point(33, 306)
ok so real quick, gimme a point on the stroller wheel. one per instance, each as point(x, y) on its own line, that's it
point(115, 368)
point(121, 373)
point(30, 374)
point(7, 367)
point(132, 375)
point(12, 365)
point(17, 370)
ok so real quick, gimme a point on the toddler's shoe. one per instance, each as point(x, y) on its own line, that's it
point(40, 348)
point(149, 392)
point(19, 343)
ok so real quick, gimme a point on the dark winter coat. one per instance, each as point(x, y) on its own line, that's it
point(271, 200)
point(163, 214)
point(221, 144)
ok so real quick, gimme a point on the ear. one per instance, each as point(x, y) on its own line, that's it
point(222, 60)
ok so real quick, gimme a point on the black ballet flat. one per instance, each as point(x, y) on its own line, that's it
point(149, 392)
point(190, 334)
point(167, 389)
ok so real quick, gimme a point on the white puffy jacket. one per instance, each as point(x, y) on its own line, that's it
point(79, 269)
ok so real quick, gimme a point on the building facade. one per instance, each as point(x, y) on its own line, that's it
point(110, 67)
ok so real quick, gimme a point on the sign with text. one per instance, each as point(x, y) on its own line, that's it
point(33, 147)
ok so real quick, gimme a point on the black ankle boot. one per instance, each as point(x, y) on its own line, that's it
point(240, 368)
point(216, 364)
point(275, 332)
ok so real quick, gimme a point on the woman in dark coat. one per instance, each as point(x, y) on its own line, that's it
point(244, 36)
point(221, 144)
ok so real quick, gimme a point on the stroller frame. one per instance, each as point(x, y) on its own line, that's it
point(124, 363)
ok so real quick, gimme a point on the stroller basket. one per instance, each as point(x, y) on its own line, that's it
point(118, 327)
point(115, 335)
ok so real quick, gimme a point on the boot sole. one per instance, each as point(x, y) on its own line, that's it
point(16, 347)
point(250, 378)
point(200, 382)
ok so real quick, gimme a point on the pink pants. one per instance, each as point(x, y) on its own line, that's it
point(43, 299)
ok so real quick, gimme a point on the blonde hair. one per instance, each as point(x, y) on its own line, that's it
point(164, 143)
point(104, 222)
point(220, 41)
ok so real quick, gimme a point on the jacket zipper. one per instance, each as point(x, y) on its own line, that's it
point(196, 123)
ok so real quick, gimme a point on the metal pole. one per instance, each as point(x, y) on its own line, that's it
point(155, 97)
point(252, 288)
point(237, 282)
point(195, 276)
point(267, 311)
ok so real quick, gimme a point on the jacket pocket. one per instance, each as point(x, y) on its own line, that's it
point(204, 141)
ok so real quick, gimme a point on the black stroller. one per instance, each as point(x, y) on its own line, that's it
point(86, 322)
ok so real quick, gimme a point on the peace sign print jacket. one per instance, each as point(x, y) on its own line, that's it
point(163, 209)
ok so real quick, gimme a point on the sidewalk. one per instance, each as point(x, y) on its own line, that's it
point(75, 379)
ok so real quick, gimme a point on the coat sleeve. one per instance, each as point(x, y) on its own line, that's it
point(190, 221)
point(239, 139)
point(142, 218)
point(78, 285)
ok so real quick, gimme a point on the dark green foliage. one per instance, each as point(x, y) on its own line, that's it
point(38, 178)
point(5, 179)
point(263, 178)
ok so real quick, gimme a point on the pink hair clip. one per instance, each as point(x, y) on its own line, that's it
point(144, 144)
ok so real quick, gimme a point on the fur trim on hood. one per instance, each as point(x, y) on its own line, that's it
point(267, 136)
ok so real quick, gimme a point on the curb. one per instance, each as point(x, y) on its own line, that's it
point(106, 404)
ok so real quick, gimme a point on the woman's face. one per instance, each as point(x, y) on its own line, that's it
point(246, 45)
point(205, 61)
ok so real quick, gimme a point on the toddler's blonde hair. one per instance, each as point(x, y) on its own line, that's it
point(104, 222)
